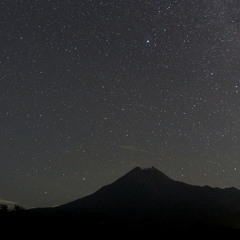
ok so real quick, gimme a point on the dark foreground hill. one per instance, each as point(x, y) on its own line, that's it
point(143, 200)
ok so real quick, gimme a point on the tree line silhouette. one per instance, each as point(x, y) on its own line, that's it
point(12, 218)
point(4, 209)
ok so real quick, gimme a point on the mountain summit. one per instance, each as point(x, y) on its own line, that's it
point(139, 173)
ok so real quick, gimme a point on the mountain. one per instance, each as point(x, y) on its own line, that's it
point(149, 190)
point(147, 198)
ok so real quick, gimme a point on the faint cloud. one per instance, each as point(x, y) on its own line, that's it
point(3, 201)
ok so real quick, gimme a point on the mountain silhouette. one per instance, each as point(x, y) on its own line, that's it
point(148, 199)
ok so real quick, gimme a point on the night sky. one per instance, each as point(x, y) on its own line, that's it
point(90, 89)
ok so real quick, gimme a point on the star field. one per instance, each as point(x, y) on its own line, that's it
point(91, 89)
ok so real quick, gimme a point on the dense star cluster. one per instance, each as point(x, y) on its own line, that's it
point(90, 89)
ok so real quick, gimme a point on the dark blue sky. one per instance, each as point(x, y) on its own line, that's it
point(91, 89)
